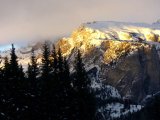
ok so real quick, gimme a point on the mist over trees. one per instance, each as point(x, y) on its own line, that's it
point(45, 92)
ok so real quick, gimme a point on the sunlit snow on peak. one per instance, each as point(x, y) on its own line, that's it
point(127, 31)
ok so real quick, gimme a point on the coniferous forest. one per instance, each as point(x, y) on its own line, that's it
point(50, 92)
point(45, 92)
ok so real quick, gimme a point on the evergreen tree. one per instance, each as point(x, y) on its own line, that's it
point(21, 73)
point(82, 81)
point(1, 74)
point(29, 72)
point(85, 99)
point(14, 68)
point(67, 75)
point(6, 68)
point(58, 92)
point(60, 63)
point(14, 85)
point(46, 90)
point(54, 61)
point(32, 67)
point(34, 103)
point(45, 62)
point(68, 91)
point(2, 87)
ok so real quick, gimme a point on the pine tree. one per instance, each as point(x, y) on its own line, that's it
point(60, 63)
point(82, 81)
point(46, 62)
point(14, 85)
point(84, 96)
point(46, 82)
point(21, 73)
point(68, 95)
point(34, 103)
point(54, 57)
point(67, 74)
point(6, 68)
point(2, 87)
point(59, 95)
point(32, 67)
point(34, 89)
point(1, 74)
point(29, 72)
point(14, 68)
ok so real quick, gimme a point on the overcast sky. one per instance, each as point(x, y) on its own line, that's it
point(25, 20)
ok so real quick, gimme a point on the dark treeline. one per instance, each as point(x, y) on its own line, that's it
point(48, 92)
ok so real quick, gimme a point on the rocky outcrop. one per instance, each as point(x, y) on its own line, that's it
point(137, 75)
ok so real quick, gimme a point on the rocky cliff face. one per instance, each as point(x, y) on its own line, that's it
point(137, 75)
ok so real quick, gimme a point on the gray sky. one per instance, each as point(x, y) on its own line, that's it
point(25, 20)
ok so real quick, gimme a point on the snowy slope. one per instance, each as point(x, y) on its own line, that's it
point(110, 104)
point(127, 31)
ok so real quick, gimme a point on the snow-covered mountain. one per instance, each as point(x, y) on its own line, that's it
point(114, 48)
point(122, 59)
point(125, 54)
point(103, 44)
point(96, 33)
point(126, 31)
